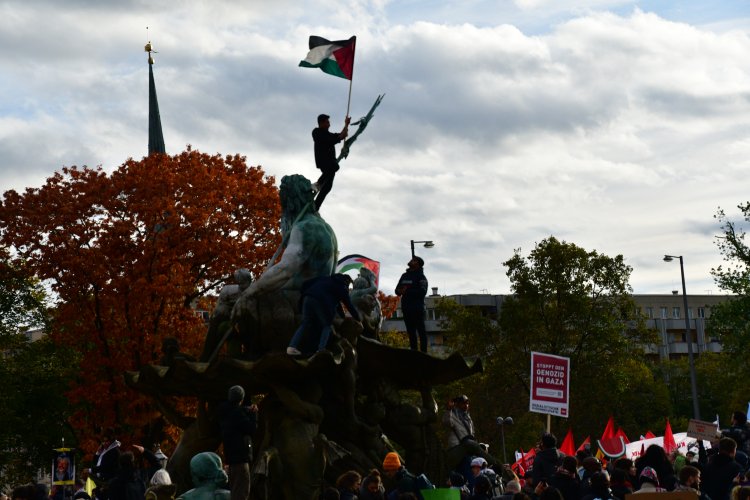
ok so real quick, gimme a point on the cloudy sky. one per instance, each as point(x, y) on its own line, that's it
point(619, 126)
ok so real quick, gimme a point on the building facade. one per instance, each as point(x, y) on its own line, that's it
point(664, 313)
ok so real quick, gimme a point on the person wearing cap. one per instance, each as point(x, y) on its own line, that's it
point(238, 423)
point(412, 288)
point(325, 154)
point(461, 440)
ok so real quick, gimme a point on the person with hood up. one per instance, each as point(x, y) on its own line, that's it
point(649, 481)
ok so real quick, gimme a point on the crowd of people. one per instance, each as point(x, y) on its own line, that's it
point(720, 472)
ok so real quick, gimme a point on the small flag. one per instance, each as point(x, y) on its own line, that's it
point(586, 442)
point(89, 487)
point(669, 443)
point(356, 261)
point(621, 433)
point(335, 58)
point(568, 447)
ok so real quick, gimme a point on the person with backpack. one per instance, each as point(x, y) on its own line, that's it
point(403, 480)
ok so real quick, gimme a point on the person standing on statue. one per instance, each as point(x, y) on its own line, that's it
point(412, 288)
point(238, 423)
point(321, 300)
point(325, 155)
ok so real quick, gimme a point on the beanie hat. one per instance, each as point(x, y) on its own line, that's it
point(236, 394)
point(391, 462)
point(478, 462)
point(648, 474)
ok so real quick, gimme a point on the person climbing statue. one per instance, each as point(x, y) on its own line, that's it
point(325, 155)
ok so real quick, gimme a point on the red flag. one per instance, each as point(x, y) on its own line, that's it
point(669, 443)
point(609, 430)
point(621, 433)
point(586, 441)
point(568, 446)
point(649, 435)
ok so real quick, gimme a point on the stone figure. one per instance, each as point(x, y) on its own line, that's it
point(208, 477)
point(266, 312)
point(219, 322)
point(319, 416)
point(365, 299)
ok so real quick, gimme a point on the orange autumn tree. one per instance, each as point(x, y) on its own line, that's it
point(127, 254)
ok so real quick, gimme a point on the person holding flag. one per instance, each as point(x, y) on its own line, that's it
point(325, 155)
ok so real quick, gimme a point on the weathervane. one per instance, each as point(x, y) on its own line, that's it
point(148, 48)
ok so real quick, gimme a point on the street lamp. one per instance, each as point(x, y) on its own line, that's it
point(427, 244)
point(688, 338)
point(502, 422)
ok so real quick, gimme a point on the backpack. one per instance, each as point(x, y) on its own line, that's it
point(423, 483)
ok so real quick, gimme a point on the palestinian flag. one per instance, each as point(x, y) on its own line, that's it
point(356, 261)
point(335, 58)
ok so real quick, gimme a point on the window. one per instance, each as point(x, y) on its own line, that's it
point(650, 312)
point(701, 312)
point(676, 312)
point(663, 311)
point(690, 312)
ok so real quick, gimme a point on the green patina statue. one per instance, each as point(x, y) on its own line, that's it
point(208, 477)
point(318, 417)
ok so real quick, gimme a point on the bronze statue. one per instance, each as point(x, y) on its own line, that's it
point(319, 417)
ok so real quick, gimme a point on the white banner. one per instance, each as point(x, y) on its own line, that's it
point(633, 450)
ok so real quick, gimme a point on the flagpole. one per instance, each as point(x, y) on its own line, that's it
point(349, 101)
point(351, 80)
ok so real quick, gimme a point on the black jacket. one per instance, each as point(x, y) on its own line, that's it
point(546, 463)
point(717, 477)
point(325, 150)
point(412, 287)
point(127, 485)
point(237, 425)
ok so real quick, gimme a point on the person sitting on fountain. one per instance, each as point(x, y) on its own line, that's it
point(208, 477)
point(321, 300)
point(310, 250)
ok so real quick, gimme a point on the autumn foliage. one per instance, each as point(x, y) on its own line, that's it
point(127, 253)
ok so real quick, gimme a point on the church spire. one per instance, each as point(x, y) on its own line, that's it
point(155, 135)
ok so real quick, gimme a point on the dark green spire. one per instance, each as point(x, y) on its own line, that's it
point(155, 135)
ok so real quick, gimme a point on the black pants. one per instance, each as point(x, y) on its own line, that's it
point(414, 321)
point(325, 183)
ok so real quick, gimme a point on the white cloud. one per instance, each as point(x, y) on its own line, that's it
point(617, 133)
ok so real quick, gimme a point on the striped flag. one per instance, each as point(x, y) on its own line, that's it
point(356, 261)
point(335, 58)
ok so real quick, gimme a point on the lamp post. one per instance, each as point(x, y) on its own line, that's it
point(427, 244)
point(502, 422)
point(688, 338)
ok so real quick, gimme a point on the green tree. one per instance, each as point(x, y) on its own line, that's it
point(574, 303)
point(730, 320)
point(34, 377)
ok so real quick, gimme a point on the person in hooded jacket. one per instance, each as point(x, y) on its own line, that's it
point(547, 459)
